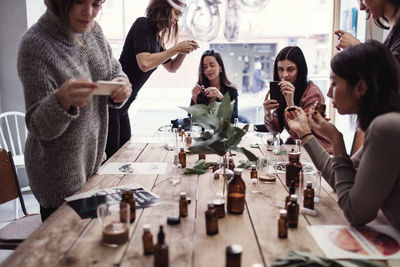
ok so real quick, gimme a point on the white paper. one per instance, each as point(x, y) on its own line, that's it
point(134, 168)
point(379, 242)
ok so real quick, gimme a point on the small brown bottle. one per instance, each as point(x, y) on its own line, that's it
point(253, 172)
point(236, 193)
point(292, 190)
point(188, 140)
point(282, 224)
point(127, 197)
point(183, 135)
point(320, 108)
point(233, 255)
point(292, 212)
point(148, 246)
point(202, 156)
point(182, 157)
point(161, 258)
point(183, 205)
point(231, 163)
point(211, 219)
point(293, 168)
point(180, 130)
point(215, 169)
point(309, 196)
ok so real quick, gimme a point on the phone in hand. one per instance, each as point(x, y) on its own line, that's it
point(275, 93)
point(107, 87)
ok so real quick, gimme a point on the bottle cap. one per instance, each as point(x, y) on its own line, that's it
point(309, 183)
point(234, 249)
point(293, 197)
point(283, 212)
point(253, 166)
point(172, 220)
point(237, 171)
point(218, 202)
point(182, 194)
point(146, 227)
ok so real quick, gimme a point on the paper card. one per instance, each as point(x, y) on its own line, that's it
point(134, 168)
point(379, 242)
point(106, 87)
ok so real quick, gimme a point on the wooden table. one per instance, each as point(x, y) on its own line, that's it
point(66, 240)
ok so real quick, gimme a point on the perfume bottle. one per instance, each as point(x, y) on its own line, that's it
point(309, 196)
point(127, 197)
point(183, 205)
point(292, 212)
point(182, 157)
point(189, 140)
point(148, 246)
point(236, 193)
point(253, 172)
point(233, 255)
point(161, 258)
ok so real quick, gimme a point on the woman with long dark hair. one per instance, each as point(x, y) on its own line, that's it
point(291, 70)
point(144, 50)
point(364, 81)
point(213, 83)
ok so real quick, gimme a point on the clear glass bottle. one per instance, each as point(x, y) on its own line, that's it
point(183, 205)
point(253, 172)
point(233, 255)
point(161, 258)
point(211, 219)
point(127, 197)
point(309, 196)
point(182, 157)
point(236, 193)
point(148, 246)
point(292, 190)
point(293, 168)
point(282, 224)
point(292, 212)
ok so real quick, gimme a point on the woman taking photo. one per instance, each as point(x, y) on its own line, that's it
point(364, 81)
point(291, 70)
point(59, 59)
point(213, 83)
point(144, 50)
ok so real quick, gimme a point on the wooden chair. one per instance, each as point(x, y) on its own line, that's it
point(17, 231)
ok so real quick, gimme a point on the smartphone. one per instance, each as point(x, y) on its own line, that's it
point(106, 87)
point(275, 93)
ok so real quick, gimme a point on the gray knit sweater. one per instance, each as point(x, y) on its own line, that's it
point(63, 149)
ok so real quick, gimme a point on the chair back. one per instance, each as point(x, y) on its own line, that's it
point(13, 132)
point(9, 185)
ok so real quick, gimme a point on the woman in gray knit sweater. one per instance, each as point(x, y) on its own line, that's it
point(365, 81)
point(60, 58)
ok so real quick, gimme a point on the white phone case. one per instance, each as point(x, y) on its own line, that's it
point(107, 87)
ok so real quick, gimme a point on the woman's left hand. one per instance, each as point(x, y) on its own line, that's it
point(287, 89)
point(321, 125)
point(213, 92)
point(122, 93)
point(297, 120)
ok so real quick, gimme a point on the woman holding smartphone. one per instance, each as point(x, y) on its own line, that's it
point(144, 50)
point(290, 69)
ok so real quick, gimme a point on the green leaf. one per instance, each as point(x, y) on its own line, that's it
point(225, 109)
point(193, 171)
point(246, 152)
point(201, 150)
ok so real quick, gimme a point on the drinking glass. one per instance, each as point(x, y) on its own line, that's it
point(114, 221)
point(316, 180)
point(273, 143)
point(266, 173)
point(297, 146)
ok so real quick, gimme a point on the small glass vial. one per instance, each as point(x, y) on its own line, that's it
point(253, 172)
point(236, 193)
point(183, 135)
point(188, 140)
point(282, 224)
point(219, 205)
point(183, 205)
point(202, 156)
point(309, 196)
point(231, 163)
point(127, 197)
point(215, 170)
point(292, 212)
point(293, 168)
point(318, 106)
point(233, 255)
point(148, 246)
point(161, 258)
point(292, 190)
point(211, 219)
point(182, 157)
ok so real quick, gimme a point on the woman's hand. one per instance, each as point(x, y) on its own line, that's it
point(213, 92)
point(321, 125)
point(297, 120)
point(185, 47)
point(122, 93)
point(269, 104)
point(345, 40)
point(75, 92)
point(287, 89)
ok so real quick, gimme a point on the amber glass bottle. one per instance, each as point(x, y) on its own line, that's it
point(253, 172)
point(148, 246)
point(231, 163)
point(292, 190)
point(309, 196)
point(161, 258)
point(182, 157)
point(282, 224)
point(292, 212)
point(236, 193)
point(211, 219)
point(293, 168)
point(233, 256)
point(188, 140)
point(183, 205)
point(214, 169)
point(180, 130)
point(127, 197)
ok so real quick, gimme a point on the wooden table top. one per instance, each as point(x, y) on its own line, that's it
point(66, 240)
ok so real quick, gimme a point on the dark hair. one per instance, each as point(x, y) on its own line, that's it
point(203, 80)
point(379, 23)
point(159, 14)
point(377, 66)
point(294, 54)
